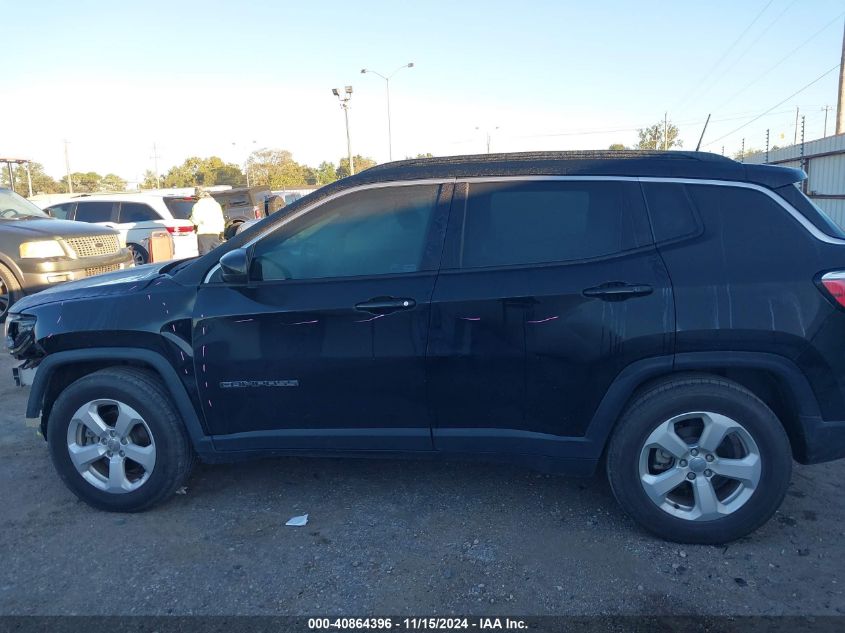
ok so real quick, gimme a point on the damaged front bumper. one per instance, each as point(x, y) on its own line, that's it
point(24, 375)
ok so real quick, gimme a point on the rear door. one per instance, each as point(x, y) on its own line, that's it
point(549, 288)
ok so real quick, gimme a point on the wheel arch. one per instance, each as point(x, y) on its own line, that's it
point(775, 379)
point(60, 369)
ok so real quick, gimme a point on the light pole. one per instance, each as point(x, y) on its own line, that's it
point(246, 160)
point(487, 134)
point(387, 88)
point(344, 103)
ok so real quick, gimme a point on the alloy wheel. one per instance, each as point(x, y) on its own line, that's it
point(700, 466)
point(111, 446)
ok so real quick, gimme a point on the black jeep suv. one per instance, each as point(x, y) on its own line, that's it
point(677, 317)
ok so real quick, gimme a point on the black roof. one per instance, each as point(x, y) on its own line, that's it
point(675, 164)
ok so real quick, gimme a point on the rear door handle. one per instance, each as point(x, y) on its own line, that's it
point(385, 305)
point(618, 291)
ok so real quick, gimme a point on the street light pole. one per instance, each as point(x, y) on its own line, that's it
point(387, 89)
point(344, 103)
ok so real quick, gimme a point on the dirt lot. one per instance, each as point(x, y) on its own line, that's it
point(393, 537)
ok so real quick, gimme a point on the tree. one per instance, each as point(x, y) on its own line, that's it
point(41, 182)
point(653, 137)
point(275, 168)
point(616, 146)
point(326, 173)
point(426, 155)
point(204, 172)
point(149, 180)
point(83, 182)
point(739, 154)
point(112, 182)
point(360, 162)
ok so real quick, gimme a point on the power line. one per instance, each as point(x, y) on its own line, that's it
point(726, 53)
point(785, 58)
point(777, 105)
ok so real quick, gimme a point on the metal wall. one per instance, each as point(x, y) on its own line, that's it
point(824, 162)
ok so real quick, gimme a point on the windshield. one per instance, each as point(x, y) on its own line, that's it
point(15, 207)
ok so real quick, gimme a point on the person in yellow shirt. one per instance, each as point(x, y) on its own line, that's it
point(207, 216)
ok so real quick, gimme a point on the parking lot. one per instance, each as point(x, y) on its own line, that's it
point(393, 537)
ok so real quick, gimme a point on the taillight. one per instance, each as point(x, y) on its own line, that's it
point(834, 283)
point(181, 229)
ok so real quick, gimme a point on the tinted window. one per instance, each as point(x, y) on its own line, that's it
point(810, 210)
point(180, 208)
point(553, 221)
point(62, 211)
point(94, 211)
point(374, 232)
point(672, 213)
point(137, 212)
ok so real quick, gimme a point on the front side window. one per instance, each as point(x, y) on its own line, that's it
point(379, 231)
point(94, 211)
point(62, 211)
point(524, 223)
point(137, 212)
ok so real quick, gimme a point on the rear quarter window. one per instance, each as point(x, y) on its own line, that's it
point(793, 195)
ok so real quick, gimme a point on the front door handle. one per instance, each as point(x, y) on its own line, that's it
point(385, 305)
point(618, 291)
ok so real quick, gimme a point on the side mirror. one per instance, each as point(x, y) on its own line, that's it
point(234, 267)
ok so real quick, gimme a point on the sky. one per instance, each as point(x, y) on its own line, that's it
point(225, 78)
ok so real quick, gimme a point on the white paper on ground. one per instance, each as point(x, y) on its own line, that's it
point(298, 521)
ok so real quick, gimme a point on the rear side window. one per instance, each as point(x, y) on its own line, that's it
point(137, 212)
point(94, 211)
point(519, 223)
point(793, 195)
point(671, 210)
point(62, 211)
point(180, 208)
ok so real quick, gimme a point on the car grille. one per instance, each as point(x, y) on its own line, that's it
point(99, 270)
point(93, 245)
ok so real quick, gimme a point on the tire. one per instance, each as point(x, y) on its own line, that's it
point(139, 254)
point(688, 512)
point(10, 291)
point(230, 231)
point(157, 435)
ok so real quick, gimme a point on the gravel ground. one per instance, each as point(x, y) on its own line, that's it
point(393, 537)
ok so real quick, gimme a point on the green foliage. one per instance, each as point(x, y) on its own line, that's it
point(149, 180)
point(426, 155)
point(41, 182)
point(326, 173)
point(204, 172)
point(275, 168)
point(653, 137)
point(739, 154)
point(616, 146)
point(112, 182)
point(360, 163)
point(83, 182)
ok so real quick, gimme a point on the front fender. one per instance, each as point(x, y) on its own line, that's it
point(171, 381)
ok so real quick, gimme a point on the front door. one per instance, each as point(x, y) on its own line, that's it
point(549, 288)
point(325, 347)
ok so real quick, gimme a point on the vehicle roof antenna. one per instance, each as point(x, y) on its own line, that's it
point(701, 138)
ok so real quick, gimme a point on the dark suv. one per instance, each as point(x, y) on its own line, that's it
point(676, 317)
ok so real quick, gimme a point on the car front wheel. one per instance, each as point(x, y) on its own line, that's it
point(117, 441)
point(699, 460)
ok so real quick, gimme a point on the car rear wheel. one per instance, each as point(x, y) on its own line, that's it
point(117, 441)
point(10, 291)
point(699, 460)
point(139, 254)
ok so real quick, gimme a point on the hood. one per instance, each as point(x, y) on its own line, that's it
point(116, 283)
point(50, 227)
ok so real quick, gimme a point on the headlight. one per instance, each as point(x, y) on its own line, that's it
point(19, 333)
point(45, 248)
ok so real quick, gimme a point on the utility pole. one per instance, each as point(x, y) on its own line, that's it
point(28, 177)
point(665, 127)
point(795, 136)
point(825, 109)
point(487, 136)
point(155, 158)
point(840, 107)
point(742, 152)
point(767, 146)
point(67, 170)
